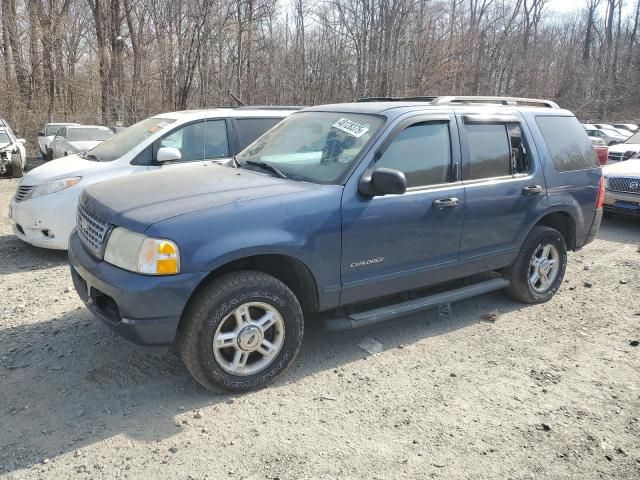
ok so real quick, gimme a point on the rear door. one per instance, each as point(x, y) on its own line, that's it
point(504, 186)
point(394, 243)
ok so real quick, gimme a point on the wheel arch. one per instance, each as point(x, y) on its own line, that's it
point(290, 270)
point(564, 222)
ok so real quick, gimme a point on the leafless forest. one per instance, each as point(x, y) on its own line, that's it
point(114, 61)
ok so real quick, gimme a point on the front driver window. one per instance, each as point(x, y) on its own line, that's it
point(199, 141)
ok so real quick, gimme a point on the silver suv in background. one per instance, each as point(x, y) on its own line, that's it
point(610, 137)
point(45, 136)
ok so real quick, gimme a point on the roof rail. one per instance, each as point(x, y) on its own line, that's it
point(533, 102)
point(396, 99)
point(269, 107)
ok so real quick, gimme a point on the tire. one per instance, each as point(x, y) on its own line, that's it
point(45, 156)
point(16, 166)
point(49, 155)
point(215, 308)
point(521, 272)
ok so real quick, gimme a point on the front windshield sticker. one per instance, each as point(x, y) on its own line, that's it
point(352, 128)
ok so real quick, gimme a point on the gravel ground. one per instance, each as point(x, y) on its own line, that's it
point(546, 391)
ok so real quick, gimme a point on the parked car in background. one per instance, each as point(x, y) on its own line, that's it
point(73, 139)
point(43, 211)
point(45, 136)
point(622, 187)
point(607, 126)
point(348, 211)
point(632, 127)
point(610, 137)
point(625, 150)
point(13, 155)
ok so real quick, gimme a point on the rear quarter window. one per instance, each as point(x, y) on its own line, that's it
point(568, 143)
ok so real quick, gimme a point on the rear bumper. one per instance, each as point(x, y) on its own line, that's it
point(595, 227)
point(144, 309)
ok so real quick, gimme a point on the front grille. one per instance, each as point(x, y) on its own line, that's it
point(23, 192)
point(92, 230)
point(624, 184)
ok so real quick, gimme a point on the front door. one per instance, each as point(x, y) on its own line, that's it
point(398, 242)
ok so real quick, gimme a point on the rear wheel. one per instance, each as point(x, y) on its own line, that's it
point(537, 272)
point(241, 331)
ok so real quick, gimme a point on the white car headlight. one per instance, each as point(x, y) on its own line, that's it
point(138, 253)
point(53, 186)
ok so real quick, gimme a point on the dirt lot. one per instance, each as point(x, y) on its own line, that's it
point(547, 391)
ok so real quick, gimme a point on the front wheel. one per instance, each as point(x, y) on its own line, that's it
point(241, 331)
point(537, 272)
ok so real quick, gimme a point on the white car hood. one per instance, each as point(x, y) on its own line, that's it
point(628, 167)
point(624, 147)
point(71, 166)
point(85, 145)
point(4, 145)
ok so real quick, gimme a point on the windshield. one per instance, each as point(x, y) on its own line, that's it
point(635, 138)
point(88, 134)
point(4, 138)
point(53, 129)
point(122, 142)
point(317, 147)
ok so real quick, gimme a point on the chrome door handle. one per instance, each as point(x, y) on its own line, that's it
point(532, 190)
point(446, 202)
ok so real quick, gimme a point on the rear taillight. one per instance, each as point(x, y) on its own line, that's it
point(600, 200)
point(603, 154)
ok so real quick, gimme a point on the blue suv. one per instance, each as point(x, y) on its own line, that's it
point(351, 213)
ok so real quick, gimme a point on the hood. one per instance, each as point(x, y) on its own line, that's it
point(4, 145)
point(625, 147)
point(628, 167)
point(83, 146)
point(71, 166)
point(138, 201)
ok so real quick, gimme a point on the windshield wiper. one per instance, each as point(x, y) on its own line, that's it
point(90, 156)
point(236, 162)
point(267, 166)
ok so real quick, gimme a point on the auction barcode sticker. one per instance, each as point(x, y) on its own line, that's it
point(350, 127)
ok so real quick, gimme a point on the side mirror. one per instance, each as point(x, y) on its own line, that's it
point(168, 154)
point(41, 134)
point(383, 181)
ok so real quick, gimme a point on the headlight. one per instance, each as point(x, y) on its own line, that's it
point(137, 253)
point(53, 186)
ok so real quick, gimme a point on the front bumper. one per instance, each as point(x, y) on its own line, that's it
point(144, 309)
point(45, 221)
point(620, 202)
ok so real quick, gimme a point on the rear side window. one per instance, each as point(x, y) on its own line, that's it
point(249, 129)
point(422, 152)
point(568, 143)
point(489, 150)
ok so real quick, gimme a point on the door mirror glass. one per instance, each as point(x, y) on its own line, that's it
point(168, 154)
point(383, 181)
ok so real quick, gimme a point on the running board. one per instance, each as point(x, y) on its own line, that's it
point(382, 314)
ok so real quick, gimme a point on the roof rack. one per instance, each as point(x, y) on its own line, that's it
point(533, 102)
point(268, 107)
point(396, 99)
point(450, 100)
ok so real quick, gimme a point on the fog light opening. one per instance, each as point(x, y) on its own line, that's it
point(47, 233)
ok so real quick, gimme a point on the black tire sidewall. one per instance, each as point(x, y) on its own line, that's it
point(16, 166)
point(281, 300)
point(553, 237)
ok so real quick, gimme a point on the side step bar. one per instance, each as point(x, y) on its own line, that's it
point(382, 314)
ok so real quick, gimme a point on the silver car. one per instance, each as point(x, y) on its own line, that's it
point(45, 136)
point(70, 140)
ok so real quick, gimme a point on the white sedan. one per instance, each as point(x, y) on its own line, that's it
point(73, 139)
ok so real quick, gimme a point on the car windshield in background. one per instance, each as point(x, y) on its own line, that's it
point(635, 138)
point(88, 134)
point(4, 138)
point(52, 129)
point(317, 147)
point(127, 139)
